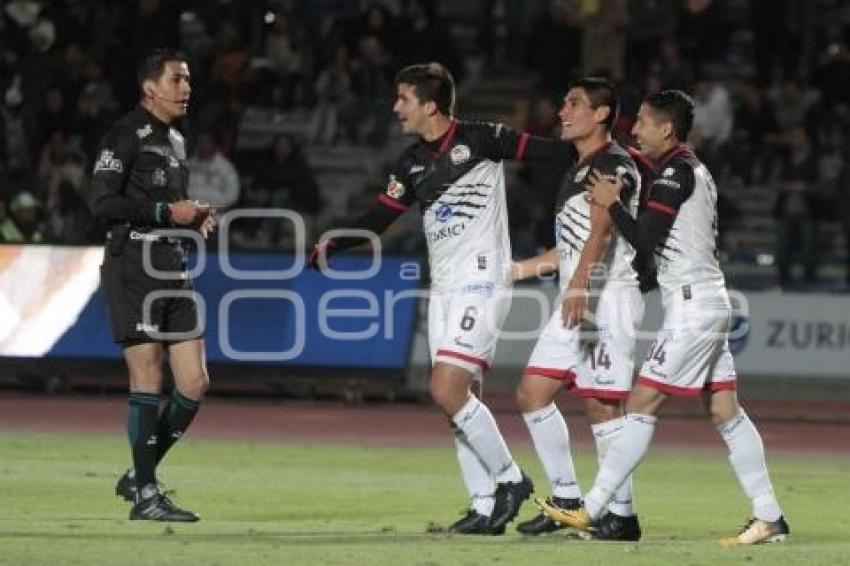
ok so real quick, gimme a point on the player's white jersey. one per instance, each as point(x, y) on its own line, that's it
point(684, 187)
point(460, 187)
point(467, 229)
point(572, 221)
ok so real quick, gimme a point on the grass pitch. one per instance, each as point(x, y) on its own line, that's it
point(269, 503)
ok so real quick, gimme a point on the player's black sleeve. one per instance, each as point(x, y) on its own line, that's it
point(668, 192)
point(376, 219)
point(500, 142)
point(111, 170)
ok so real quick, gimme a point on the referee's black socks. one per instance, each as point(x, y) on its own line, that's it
point(174, 419)
point(142, 432)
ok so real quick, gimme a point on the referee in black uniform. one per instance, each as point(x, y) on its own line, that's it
point(140, 180)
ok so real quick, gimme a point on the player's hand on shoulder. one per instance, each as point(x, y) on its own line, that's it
point(602, 189)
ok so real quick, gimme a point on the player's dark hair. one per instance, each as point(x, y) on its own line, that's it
point(676, 106)
point(153, 65)
point(432, 82)
point(600, 92)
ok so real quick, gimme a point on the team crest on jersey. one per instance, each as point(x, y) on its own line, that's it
point(460, 154)
point(581, 174)
point(158, 178)
point(108, 162)
point(443, 213)
point(416, 169)
point(668, 172)
point(395, 188)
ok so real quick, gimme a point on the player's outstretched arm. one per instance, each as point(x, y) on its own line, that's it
point(376, 220)
point(536, 266)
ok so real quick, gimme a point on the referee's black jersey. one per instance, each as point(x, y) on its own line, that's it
point(140, 168)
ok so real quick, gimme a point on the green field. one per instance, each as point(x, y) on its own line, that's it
point(268, 503)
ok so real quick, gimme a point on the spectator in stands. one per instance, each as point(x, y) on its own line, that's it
point(371, 84)
point(231, 61)
point(424, 37)
point(713, 121)
point(795, 209)
point(791, 103)
point(69, 221)
point(333, 91)
point(283, 54)
point(92, 122)
point(754, 136)
point(23, 225)
point(286, 182)
point(59, 164)
point(650, 23)
point(673, 70)
point(604, 39)
point(556, 30)
point(212, 177)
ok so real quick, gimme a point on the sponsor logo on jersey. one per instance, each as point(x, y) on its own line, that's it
point(158, 178)
point(144, 131)
point(446, 232)
point(142, 327)
point(460, 154)
point(581, 174)
point(443, 213)
point(482, 262)
point(417, 169)
point(108, 162)
point(668, 172)
point(482, 289)
point(395, 189)
point(173, 162)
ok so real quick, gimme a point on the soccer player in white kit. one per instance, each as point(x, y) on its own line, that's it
point(690, 355)
point(593, 358)
point(455, 173)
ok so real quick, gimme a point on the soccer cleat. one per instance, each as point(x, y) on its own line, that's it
point(508, 499)
point(474, 523)
point(574, 518)
point(757, 531)
point(160, 508)
point(616, 527)
point(126, 487)
point(541, 524)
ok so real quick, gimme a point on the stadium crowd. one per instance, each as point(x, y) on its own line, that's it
point(771, 81)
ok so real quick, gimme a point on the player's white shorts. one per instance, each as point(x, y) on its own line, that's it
point(600, 365)
point(691, 352)
point(464, 324)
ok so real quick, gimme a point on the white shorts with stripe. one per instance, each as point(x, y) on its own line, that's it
point(691, 352)
point(464, 324)
point(597, 364)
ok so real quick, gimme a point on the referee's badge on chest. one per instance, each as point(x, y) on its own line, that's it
point(158, 178)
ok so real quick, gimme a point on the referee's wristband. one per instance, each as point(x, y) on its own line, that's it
point(162, 213)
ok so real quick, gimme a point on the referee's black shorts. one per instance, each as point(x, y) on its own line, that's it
point(172, 314)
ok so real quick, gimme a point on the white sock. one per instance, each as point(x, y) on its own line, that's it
point(551, 439)
point(746, 454)
point(623, 456)
point(604, 434)
point(479, 483)
point(482, 433)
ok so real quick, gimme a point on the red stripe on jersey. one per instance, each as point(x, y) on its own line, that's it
point(449, 137)
point(552, 373)
point(523, 141)
point(392, 203)
point(673, 152)
point(661, 207)
point(465, 357)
